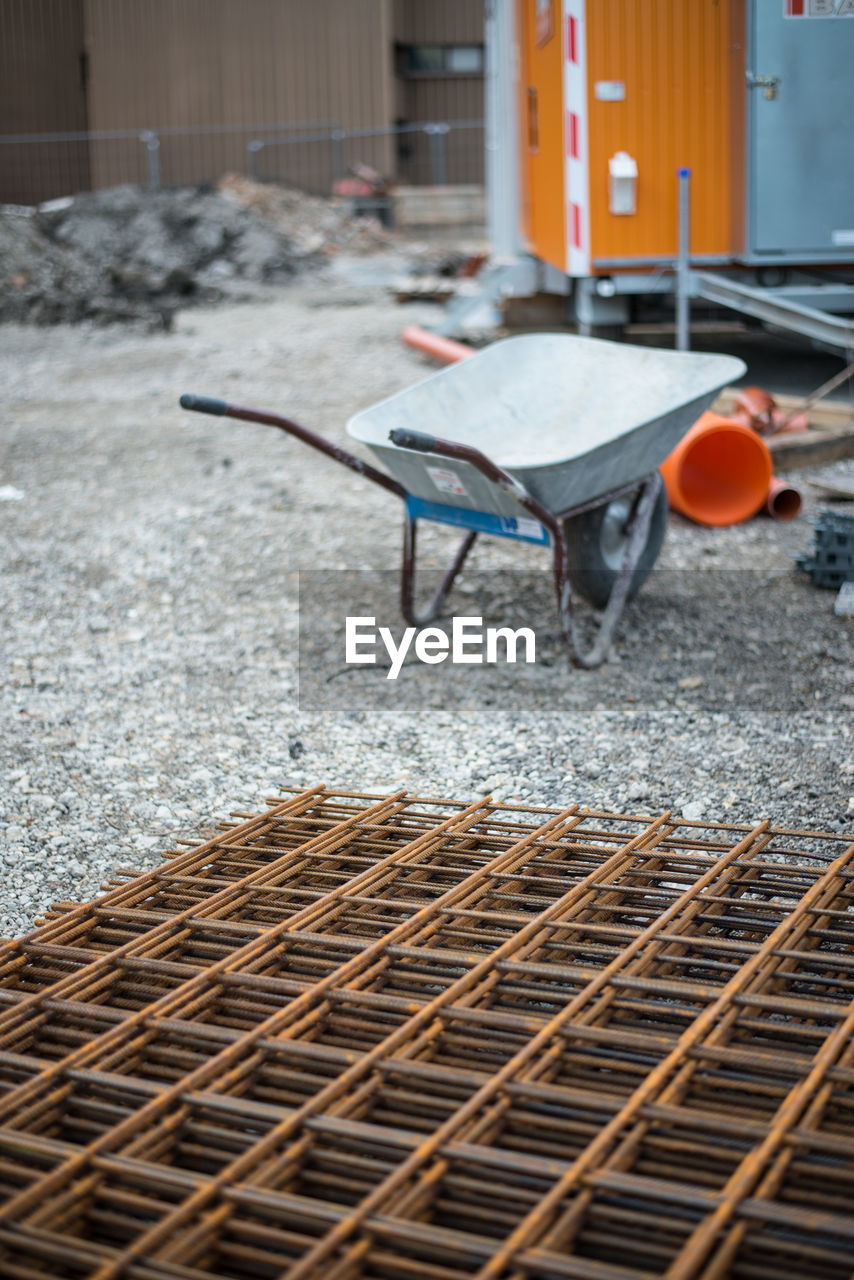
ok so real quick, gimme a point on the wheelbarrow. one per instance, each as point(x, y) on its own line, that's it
point(548, 439)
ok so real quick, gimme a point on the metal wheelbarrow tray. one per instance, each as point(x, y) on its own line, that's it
point(549, 439)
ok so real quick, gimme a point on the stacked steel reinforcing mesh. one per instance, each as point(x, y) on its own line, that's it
point(364, 1036)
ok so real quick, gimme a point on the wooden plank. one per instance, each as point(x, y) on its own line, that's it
point(840, 489)
point(829, 438)
point(808, 448)
point(828, 413)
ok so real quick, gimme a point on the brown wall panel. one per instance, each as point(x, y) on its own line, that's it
point(441, 98)
point(438, 21)
point(41, 91)
point(426, 98)
point(205, 74)
point(194, 64)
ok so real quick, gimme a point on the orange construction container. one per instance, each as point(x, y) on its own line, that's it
point(661, 81)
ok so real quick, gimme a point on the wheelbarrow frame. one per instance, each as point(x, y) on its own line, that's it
point(475, 523)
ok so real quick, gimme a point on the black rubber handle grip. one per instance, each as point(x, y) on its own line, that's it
point(204, 404)
point(406, 439)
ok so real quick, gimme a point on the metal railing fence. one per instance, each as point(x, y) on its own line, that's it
point(311, 155)
point(432, 152)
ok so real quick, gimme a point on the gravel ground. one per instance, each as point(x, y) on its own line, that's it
point(153, 567)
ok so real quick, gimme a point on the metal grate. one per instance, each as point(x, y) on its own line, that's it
point(403, 1039)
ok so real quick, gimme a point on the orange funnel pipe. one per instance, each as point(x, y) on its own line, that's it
point(719, 473)
point(783, 501)
point(443, 349)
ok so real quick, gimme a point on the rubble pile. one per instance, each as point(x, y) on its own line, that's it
point(42, 282)
point(131, 254)
point(314, 224)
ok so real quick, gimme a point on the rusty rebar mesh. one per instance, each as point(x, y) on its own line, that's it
point(404, 1039)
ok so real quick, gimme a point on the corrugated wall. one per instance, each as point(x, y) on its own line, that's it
point(440, 97)
point(457, 98)
point(682, 65)
point(193, 64)
point(438, 21)
point(186, 67)
point(42, 91)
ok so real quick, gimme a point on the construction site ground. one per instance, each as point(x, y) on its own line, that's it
point(156, 566)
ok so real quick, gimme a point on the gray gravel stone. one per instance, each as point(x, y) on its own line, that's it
point(157, 569)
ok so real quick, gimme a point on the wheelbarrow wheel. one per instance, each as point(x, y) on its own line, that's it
point(596, 542)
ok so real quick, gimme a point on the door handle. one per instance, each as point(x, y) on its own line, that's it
point(768, 84)
point(533, 120)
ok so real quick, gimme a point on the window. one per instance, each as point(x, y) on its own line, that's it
point(465, 58)
point(440, 60)
point(426, 57)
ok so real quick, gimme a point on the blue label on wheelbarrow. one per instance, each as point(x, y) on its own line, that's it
point(523, 528)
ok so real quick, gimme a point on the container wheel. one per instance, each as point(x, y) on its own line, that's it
point(596, 542)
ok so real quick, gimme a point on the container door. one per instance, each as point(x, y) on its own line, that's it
point(800, 112)
point(542, 129)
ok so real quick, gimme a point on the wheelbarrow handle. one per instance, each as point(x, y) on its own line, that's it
point(221, 409)
point(404, 438)
point(204, 404)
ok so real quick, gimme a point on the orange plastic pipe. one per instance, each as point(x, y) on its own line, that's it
point(719, 473)
point(443, 349)
point(783, 501)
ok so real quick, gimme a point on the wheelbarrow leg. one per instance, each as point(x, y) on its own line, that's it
point(415, 617)
point(596, 654)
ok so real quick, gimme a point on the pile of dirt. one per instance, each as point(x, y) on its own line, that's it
point(43, 282)
point(314, 224)
point(131, 254)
